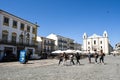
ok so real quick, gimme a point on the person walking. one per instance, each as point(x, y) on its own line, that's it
point(60, 58)
point(96, 56)
point(77, 58)
point(65, 56)
point(102, 56)
point(89, 57)
point(71, 59)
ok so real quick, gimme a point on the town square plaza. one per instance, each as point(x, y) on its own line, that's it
point(48, 69)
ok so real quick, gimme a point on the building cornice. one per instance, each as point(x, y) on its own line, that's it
point(2, 11)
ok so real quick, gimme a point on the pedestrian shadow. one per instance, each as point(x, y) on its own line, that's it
point(68, 64)
point(29, 63)
point(103, 63)
point(74, 65)
point(81, 64)
point(92, 63)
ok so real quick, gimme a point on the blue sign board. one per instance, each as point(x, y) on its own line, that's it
point(22, 57)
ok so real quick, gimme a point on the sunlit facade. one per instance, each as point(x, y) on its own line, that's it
point(62, 43)
point(46, 45)
point(96, 42)
point(117, 47)
point(16, 34)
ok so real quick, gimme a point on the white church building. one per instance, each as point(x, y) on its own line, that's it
point(96, 42)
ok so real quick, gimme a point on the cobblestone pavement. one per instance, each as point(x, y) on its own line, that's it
point(49, 70)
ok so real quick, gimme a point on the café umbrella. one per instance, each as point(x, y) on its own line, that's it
point(69, 51)
point(57, 52)
point(78, 51)
point(115, 52)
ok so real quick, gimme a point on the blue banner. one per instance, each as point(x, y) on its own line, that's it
point(22, 58)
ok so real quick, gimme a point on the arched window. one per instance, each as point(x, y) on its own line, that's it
point(21, 38)
point(33, 40)
point(94, 41)
point(88, 48)
point(27, 38)
point(88, 43)
point(28, 28)
point(5, 36)
point(14, 36)
point(105, 34)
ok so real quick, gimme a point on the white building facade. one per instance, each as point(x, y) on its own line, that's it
point(46, 45)
point(16, 34)
point(62, 43)
point(77, 46)
point(117, 47)
point(96, 42)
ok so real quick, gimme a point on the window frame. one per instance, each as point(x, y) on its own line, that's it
point(33, 30)
point(6, 21)
point(28, 28)
point(94, 42)
point(22, 26)
point(15, 23)
point(5, 36)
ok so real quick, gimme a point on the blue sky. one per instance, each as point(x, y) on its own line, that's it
point(69, 18)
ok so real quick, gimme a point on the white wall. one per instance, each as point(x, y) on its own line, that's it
point(17, 30)
point(105, 44)
point(0, 26)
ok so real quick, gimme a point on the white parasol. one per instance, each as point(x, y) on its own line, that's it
point(57, 52)
point(69, 51)
point(115, 52)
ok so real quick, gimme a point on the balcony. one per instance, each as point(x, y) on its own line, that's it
point(71, 43)
point(18, 43)
point(49, 44)
point(62, 41)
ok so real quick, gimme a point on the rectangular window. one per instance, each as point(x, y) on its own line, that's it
point(33, 41)
point(28, 28)
point(21, 39)
point(27, 41)
point(100, 42)
point(34, 31)
point(94, 42)
point(14, 24)
point(88, 43)
point(22, 26)
point(49, 42)
point(88, 48)
point(4, 37)
point(6, 21)
point(14, 39)
point(45, 41)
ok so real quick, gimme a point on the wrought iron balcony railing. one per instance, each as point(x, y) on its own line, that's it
point(18, 43)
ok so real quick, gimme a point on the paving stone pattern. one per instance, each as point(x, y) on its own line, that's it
point(49, 70)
